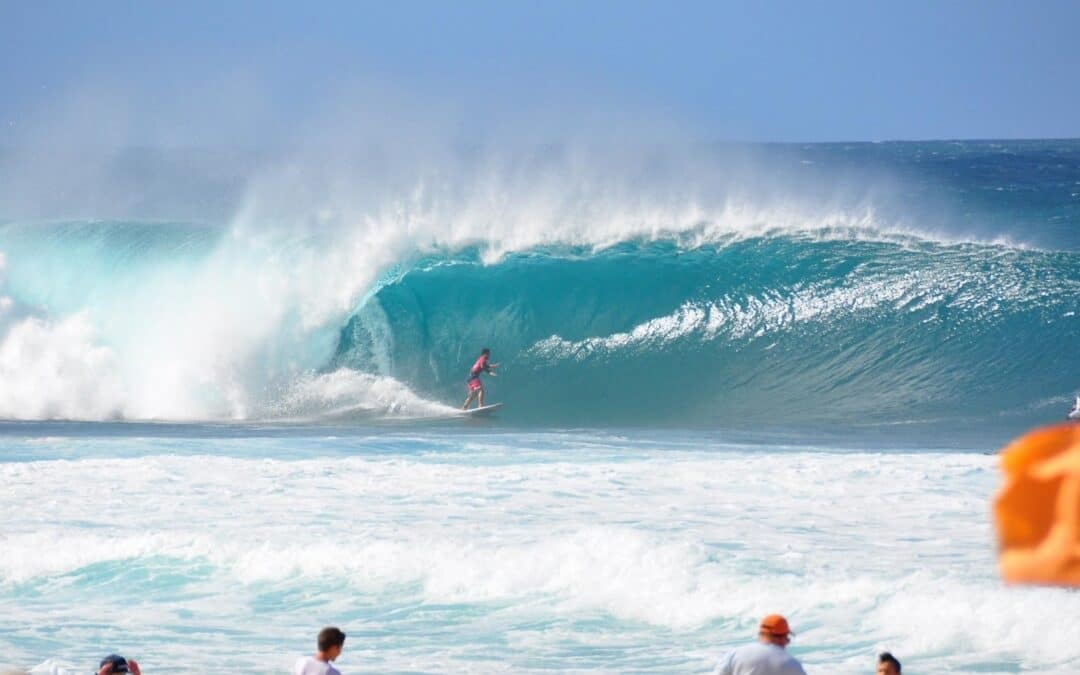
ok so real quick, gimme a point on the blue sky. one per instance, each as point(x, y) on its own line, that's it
point(209, 72)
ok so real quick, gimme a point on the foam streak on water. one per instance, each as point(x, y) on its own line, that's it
point(506, 552)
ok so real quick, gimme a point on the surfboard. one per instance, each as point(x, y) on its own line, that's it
point(483, 410)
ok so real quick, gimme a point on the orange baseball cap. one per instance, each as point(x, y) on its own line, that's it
point(774, 624)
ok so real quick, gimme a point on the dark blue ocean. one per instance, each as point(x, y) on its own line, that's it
point(738, 379)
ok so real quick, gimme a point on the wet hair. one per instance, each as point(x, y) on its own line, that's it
point(330, 637)
point(485, 350)
point(886, 657)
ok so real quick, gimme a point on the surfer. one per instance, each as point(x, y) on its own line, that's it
point(476, 387)
point(1074, 414)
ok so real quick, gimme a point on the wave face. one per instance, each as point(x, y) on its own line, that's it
point(782, 288)
point(781, 329)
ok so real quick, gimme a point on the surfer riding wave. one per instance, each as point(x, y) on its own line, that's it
point(475, 385)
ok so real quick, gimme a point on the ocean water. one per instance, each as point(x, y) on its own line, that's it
point(754, 380)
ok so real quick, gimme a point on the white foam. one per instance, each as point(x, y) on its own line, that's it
point(683, 548)
point(346, 390)
point(57, 369)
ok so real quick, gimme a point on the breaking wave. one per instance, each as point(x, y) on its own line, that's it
point(795, 327)
point(632, 299)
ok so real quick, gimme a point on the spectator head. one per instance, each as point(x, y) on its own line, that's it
point(774, 630)
point(887, 664)
point(331, 642)
point(113, 663)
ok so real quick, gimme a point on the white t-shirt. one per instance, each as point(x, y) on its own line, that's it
point(759, 658)
point(312, 666)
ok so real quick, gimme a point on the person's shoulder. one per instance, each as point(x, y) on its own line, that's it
point(792, 666)
point(305, 665)
point(760, 653)
point(743, 653)
point(765, 651)
point(755, 648)
point(726, 660)
point(331, 670)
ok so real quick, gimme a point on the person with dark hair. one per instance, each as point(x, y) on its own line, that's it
point(476, 387)
point(887, 664)
point(114, 663)
point(330, 643)
point(767, 656)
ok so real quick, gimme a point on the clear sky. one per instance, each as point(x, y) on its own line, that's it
point(769, 71)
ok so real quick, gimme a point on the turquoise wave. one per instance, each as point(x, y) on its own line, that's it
point(785, 329)
point(776, 330)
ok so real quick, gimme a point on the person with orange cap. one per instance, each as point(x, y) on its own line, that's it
point(767, 656)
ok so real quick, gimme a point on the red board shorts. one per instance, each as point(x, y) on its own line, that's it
point(474, 384)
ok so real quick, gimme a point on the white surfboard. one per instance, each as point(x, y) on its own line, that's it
point(482, 410)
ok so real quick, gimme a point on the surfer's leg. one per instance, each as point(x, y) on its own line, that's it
point(468, 399)
point(481, 405)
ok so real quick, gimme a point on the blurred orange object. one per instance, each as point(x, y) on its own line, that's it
point(1038, 508)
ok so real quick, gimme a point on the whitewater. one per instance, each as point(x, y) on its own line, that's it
point(738, 380)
